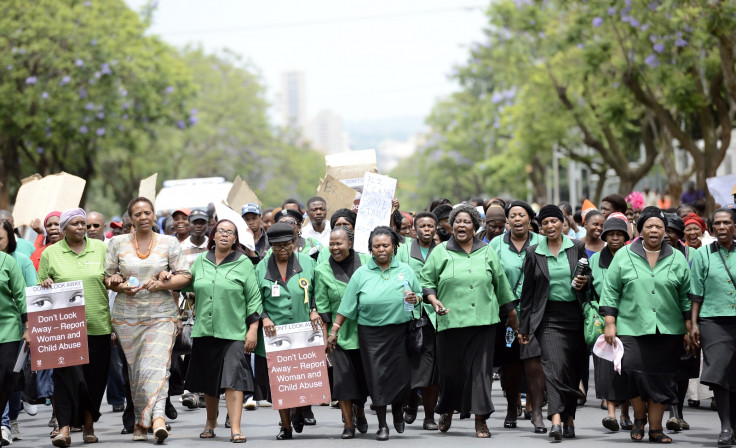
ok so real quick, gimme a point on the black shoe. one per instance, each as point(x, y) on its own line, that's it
point(127, 431)
point(610, 423)
point(297, 421)
point(284, 434)
point(118, 408)
point(430, 425)
point(227, 421)
point(361, 424)
point(725, 438)
point(540, 430)
point(170, 410)
point(693, 403)
point(556, 432)
point(190, 401)
point(410, 414)
point(509, 424)
point(399, 425)
point(382, 434)
point(202, 403)
point(309, 419)
point(568, 431)
point(527, 415)
point(348, 433)
point(626, 424)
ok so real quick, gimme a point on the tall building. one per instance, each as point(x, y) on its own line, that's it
point(293, 100)
point(325, 132)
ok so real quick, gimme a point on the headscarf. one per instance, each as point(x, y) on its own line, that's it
point(550, 211)
point(522, 204)
point(650, 212)
point(692, 218)
point(348, 214)
point(495, 211)
point(409, 217)
point(70, 214)
point(46, 219)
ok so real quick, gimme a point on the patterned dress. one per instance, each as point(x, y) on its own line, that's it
point(145, 323)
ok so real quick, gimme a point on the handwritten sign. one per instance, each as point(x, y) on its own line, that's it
point(147, 187)
point(58, 325)
point(349, 167)
point(375, 207)
point(241, 194)
point(337, 195)
point(37, 196)
point(297, 367)
point(720, 188)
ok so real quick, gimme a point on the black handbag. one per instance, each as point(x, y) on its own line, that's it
point(414, 336)
point(183, 342)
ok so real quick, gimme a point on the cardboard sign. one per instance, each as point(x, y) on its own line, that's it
point(720, 188)
point(297, 366)
point(57, 325)
point(245, 236)
point(241, 194)
point(337, 195)
point(38, 196)
point(349, 167)
point(147, 187)
point(375, 207)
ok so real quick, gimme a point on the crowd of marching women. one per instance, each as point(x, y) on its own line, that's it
point(176, 305)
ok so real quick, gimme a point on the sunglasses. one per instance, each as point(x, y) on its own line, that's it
point(96, 226)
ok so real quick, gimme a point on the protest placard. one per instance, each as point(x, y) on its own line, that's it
point(241, 194)
point(337, 195)
point(147, 187)
point(349, 167)
point(245, 236)
point(39, 195)
point(297, 366)
point(375, 207)
point(720, 188)
point(57, 325)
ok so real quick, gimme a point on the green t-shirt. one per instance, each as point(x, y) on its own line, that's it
point(710, 284)
point(12, 301)
point(24, 247)
point(413, 254)
point(560, 277)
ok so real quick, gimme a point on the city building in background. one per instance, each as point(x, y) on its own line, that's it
point(325, 132)
point(293, 100)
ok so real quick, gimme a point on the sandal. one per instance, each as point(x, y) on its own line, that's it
point(637, 431)
point(445, 422)
point(207, 434)
point(237, 438)
point(54, 432)
point(90, 438)
point(61, 441)
point(481, 430)
point(658, 436)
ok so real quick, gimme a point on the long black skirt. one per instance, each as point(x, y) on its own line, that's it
point(218, 364)
point(348, 376)
point(9, 381)
point(424, 372)
point(560, 336)
point(608, 383)
point(262, 383)
point(649, 366)
point(718, 339)
point(386, 363)
point(465, 361)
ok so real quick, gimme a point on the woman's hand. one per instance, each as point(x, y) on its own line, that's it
point(522, 338)
point(439, 308)
point(27, 336)
point(113, 281)
point(331, 343)
point(164, 276)
point(128, 290)
point(47, 283)
point(610, 334)
point(316, 320)
point(36, 226)
point(114, 339)
point(394, 205)
point(688, 344)
point(179, 326)
point(152, 285)
point(580, 281)
point(695, 335)
point(251, 338)
point(412, 298)
point(269, 328)
point(512, 320)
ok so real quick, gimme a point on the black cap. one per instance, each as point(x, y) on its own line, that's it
point(650, 212)
point(675, 222)
point(614, 223)
point(198, 214)
point(290, 213)
point(280, 232)
point(442, 211)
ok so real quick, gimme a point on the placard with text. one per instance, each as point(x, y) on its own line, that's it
point(297, 366)
point(375, 208)
point(57, 325)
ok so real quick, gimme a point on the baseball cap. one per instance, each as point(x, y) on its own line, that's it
point(186, 211)
point(198, 214)
point(250, 208)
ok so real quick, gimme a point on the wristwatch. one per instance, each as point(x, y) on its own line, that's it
point(313, 310)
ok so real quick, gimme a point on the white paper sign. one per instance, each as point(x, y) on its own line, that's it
point(244, 234)
point(38, 196)
point(720, 188)
point(375, 207)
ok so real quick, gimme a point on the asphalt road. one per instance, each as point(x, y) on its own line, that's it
point(261, 427)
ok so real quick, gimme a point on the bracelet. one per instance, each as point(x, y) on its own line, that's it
point(333, 334)
point(178, 317)
point(336, 325)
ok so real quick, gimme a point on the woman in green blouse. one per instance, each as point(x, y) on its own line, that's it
point(645, 303)
point(375, 298)
point(330, 281)
point(465, 283)
point(12, 322)
point(284, 302)
point(228, 309)
point(713, 325)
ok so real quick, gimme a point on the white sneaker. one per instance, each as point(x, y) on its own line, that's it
point(250, 404)
point(15, 430)
point(6, 439)
point(263, 404)
point(31, 409)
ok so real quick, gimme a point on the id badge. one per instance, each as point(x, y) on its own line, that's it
point(275, 290)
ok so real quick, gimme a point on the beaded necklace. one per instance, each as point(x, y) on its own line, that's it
point(148, 253)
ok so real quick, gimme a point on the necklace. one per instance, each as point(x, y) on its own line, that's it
point(652, 251)
point(387, 271)
point(148, 253)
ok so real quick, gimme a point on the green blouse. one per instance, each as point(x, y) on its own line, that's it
point(560, 277)
point(415, 256)
point(12, 301)
point(374, 297)
point(512, 260)
point(472, 286)
point(228, 300)
point(646, 300)
point(710, 284)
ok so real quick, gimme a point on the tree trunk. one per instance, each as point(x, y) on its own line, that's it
point(9, 169)
point(537, 175)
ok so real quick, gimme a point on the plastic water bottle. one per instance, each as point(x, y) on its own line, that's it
point(509, 336)
point(407, 290)
point(134, 282)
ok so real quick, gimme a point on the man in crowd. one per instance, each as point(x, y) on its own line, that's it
point(251, 214)
point(196, 243)
point(318, 227)
point(96, 226)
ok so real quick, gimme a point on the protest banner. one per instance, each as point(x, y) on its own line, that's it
point(297, 366)
point(349, 167)
point(375, 207)
point(39, 195)
point(57, 325)
point(720, 188)
point(147, 187)
point(245, 236)
point(241, 194)
point(337, 195)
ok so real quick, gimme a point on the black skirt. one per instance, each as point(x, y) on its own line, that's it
point(348, 377)
point(465, 362)
point(649, 366)
point(262, 383)
point(218, 364)
point(424, 371)
point(609, 385)
point(530, 350)
point(386, 363)
point(9, 381)
point(718, 339)
point(560, 336)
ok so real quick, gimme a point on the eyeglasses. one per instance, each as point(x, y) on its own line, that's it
point(281, 247)
point(96, 226)
point(225, 232)
point(291, 222)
